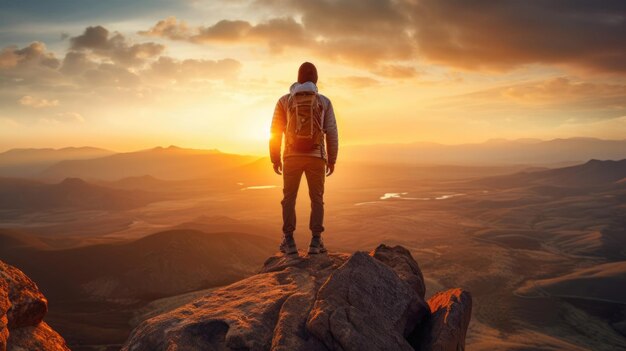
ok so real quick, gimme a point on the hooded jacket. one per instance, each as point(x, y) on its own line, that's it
point(330, 142)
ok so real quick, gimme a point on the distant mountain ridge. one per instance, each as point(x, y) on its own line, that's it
point(491, 152)
point(171, 163)
point(25, 194)
point(593, 173)
point(176, 163)
point(30, 162)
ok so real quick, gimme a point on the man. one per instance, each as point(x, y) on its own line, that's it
point(308, 123)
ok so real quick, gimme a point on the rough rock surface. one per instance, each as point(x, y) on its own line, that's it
point(402, 262)
point(28, 305)
point(365, 306)
point(22, 309)
point(40, 338)
point(4, 308)
point(451, 311)
point(297, 303)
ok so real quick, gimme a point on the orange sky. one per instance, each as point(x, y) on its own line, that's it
point(207, 74)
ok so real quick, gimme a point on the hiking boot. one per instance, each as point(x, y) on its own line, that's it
point(317, 245)
point(288, 246)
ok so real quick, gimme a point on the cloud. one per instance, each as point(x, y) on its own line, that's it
point(565, 95)
point(115, 46)
point(194, 69)
point(564, 90)
point(99, 58)
point(30, 101)
point(30, 56)
point(470, 35)
point(509, 33)
point(223, 30)
point(169, 28)
point(69, 117)
point(396, 71)
point(76, 63)
point(356, 82)
point(100, 70)
point(276, 32)
point(368, 33)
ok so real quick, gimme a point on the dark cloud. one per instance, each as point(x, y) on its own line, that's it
point(276, 32)
point(223, 30)
point(366, 51)
point(473, 35)
point(509, 33)
point(77, 63)
point(115, 47)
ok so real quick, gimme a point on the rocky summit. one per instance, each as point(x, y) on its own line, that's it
point(22, 309)
point(321, 302)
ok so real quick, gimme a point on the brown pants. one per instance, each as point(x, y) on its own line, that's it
point(314, 168)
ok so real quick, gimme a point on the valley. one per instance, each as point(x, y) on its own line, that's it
point(541, 250)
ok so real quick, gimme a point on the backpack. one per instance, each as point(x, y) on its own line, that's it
point(305, 119)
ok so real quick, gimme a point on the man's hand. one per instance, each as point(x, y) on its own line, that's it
point(330, 168)
point(278, 168)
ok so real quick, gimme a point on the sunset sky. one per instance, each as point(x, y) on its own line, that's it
point(127, 75)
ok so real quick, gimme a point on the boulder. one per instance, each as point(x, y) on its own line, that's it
point(304, 303)
point(22, 309)
point(263, 312)
point(39, 338)
point(28, 305)
point(402, 262)
point(451, 312)
point(364, 305)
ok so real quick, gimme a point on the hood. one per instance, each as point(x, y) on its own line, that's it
point(298, 88)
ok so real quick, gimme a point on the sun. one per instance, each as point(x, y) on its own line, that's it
point(257, 132)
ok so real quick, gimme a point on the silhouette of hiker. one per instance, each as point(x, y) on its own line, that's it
point(307, 120)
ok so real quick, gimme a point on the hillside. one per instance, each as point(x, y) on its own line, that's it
point(492, 152)
point(594, 173)
point(26, 195)
point(603, 282)
point(172, 163)
point(161, 264)
point(30, 162)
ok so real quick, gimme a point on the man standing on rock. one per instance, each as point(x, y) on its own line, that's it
point(307, 120)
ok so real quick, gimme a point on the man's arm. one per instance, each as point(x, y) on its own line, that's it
point(332, 136)
point(277, 129)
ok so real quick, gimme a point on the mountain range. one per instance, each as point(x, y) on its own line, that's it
point(31, 162)
point(30, 195)
point(175, 163)
point(492, 152)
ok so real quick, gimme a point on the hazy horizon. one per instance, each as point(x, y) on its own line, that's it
point(265, 153)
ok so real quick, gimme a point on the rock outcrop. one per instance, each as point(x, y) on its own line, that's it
point(22, 309)
point(314, 303)
point(450, 316)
